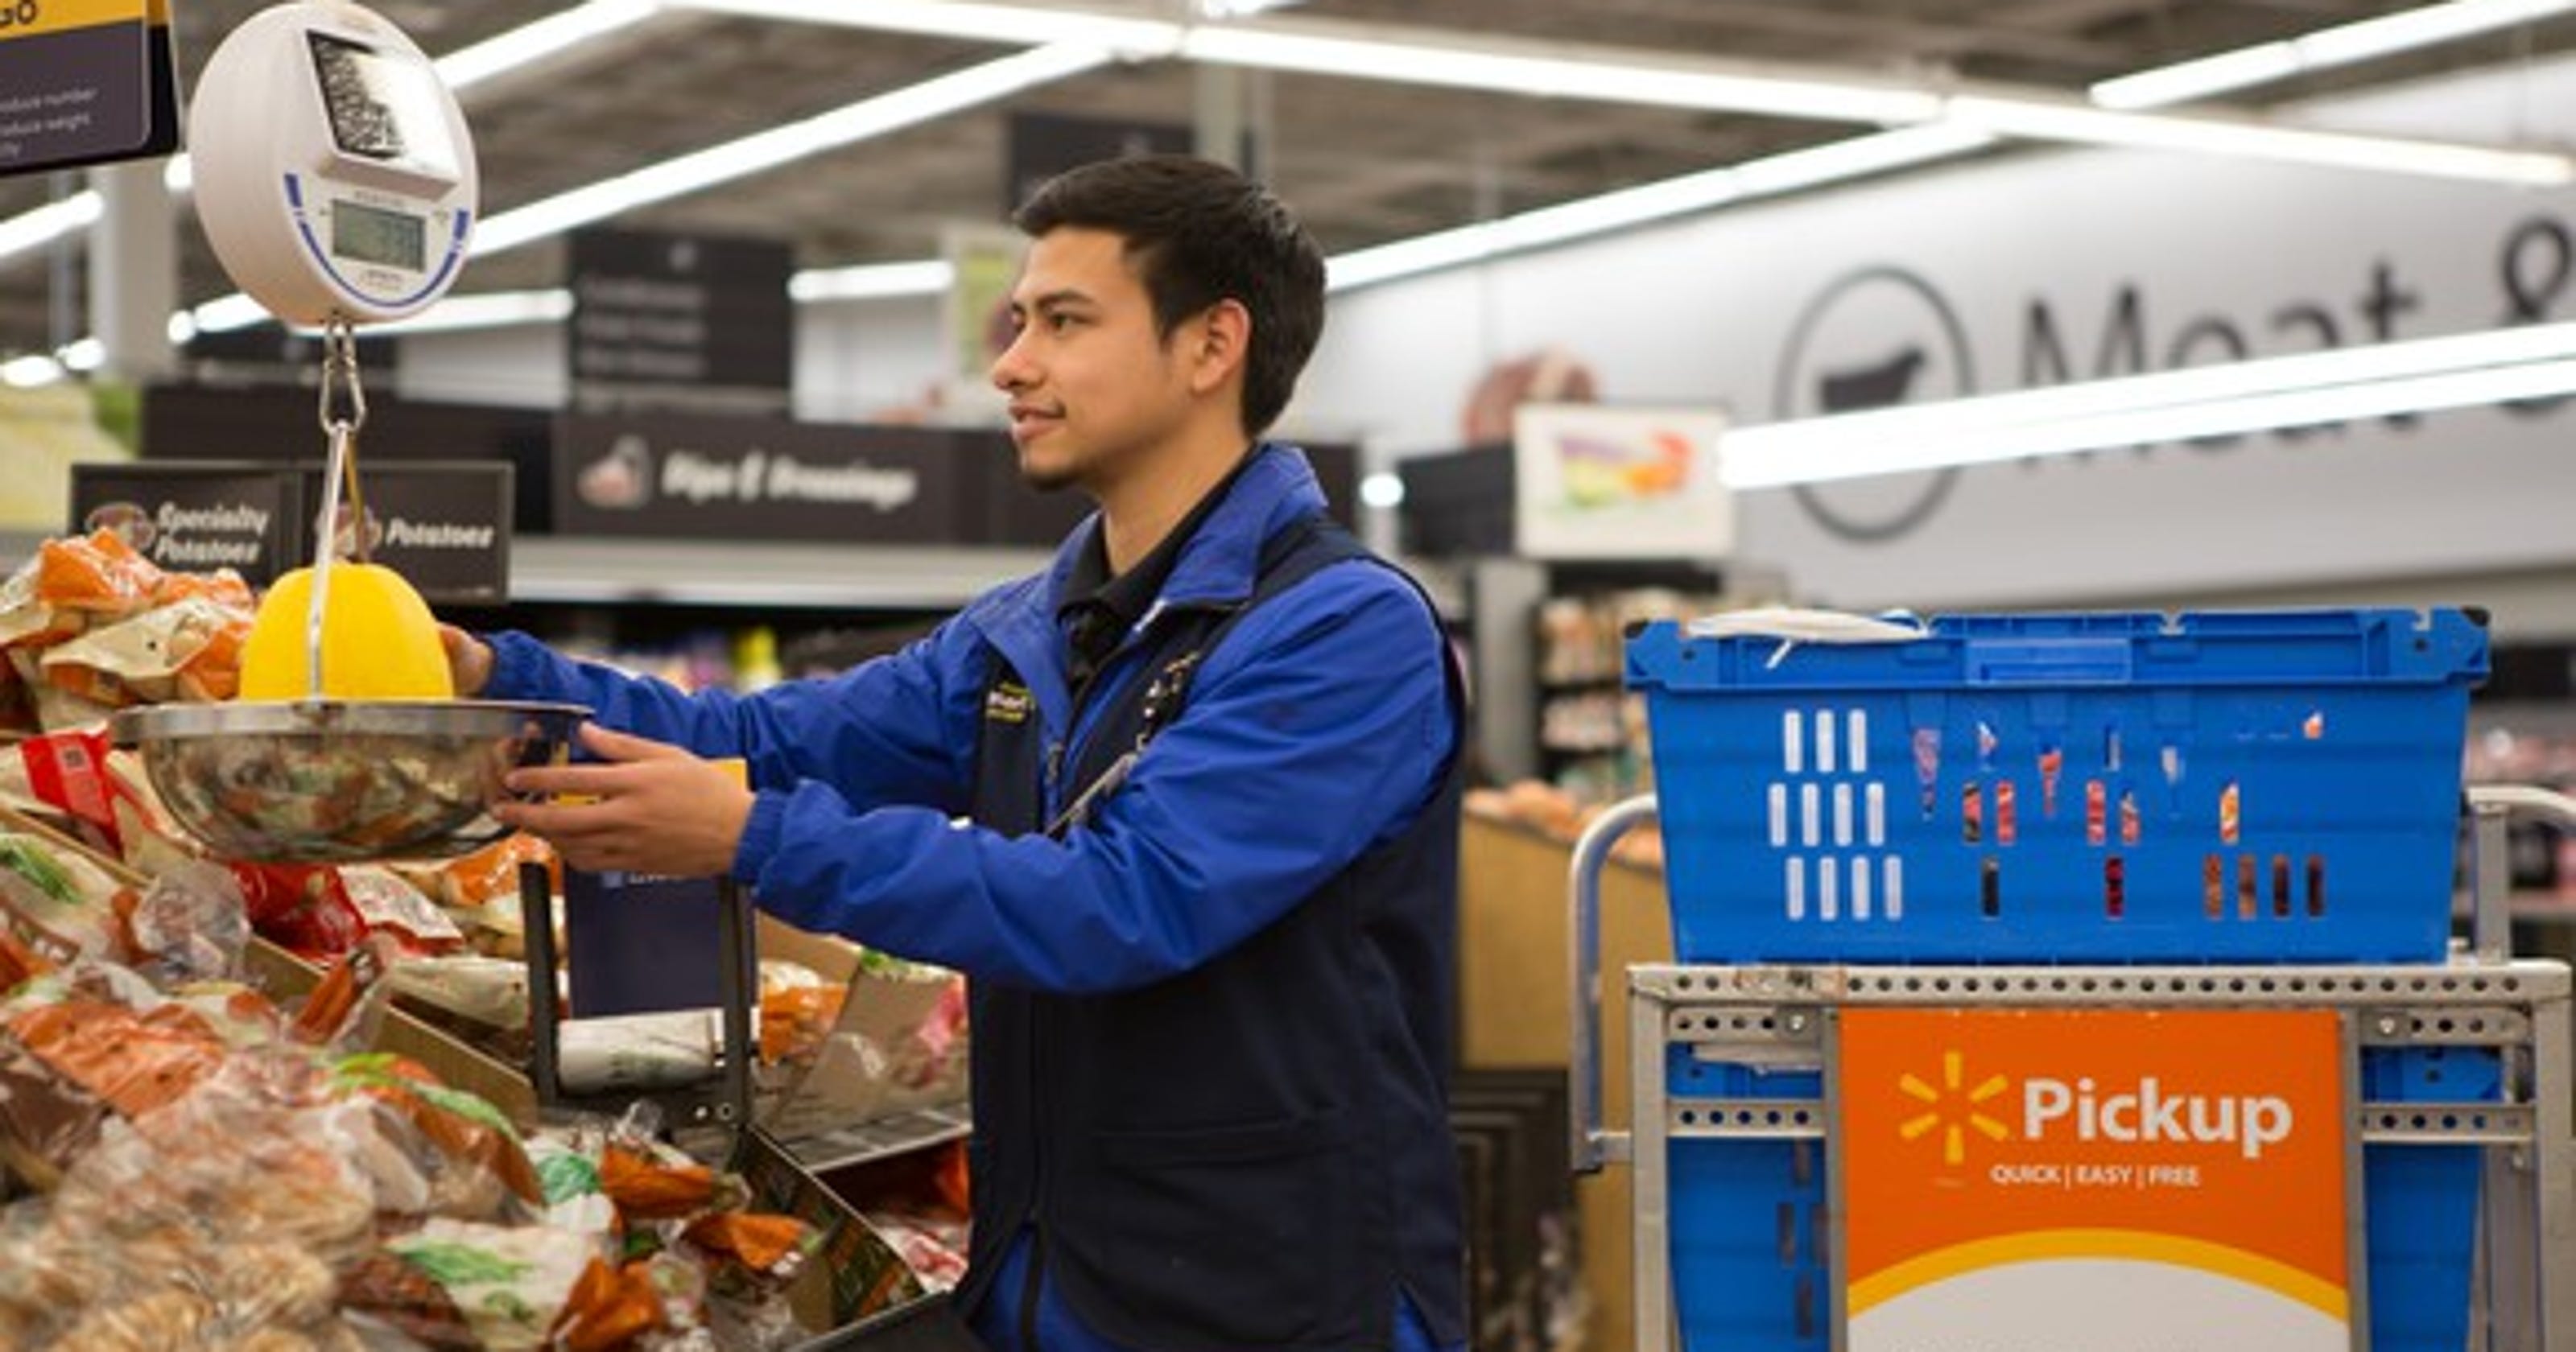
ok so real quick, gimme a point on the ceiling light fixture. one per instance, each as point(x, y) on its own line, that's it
point(966, 20)
point(30, 371)
point(2325, 49)
point(1553, 70)
point(489, 310)
point(2306, 389)
point(35, 229)
point(1650, 202)
point(531, 43)
point(762, 151)
point(871, 281)
point(2038, 120)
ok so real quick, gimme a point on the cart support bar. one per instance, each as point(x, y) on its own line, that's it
point(2490, 876)
point(1591, 1147)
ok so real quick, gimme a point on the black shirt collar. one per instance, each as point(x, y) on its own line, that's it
point(1098, 609)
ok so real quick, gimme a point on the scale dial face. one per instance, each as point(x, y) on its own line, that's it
point(334, 172)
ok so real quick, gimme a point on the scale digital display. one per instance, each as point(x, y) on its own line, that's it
point(365, 234)
point(380, 107)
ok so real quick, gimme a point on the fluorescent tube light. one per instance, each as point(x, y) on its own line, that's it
point(872, 281)
point(82, 355)
point(1017, 25)
point(35, 229)
point(1857, 157)
point(2325, 49)
point(1782, 173)
point(860, 121)
point(2045, 121)
point(26, 372)
point(534, 42)
point(225, 313)
point(1539, 70)
point(2427, 26)
point(2301, 390)
point(489, 310)
point(1747, 461)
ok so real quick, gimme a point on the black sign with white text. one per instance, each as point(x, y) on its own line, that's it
point(657, 317)
point(196, 518)
point(445, 526)
point(690, 475)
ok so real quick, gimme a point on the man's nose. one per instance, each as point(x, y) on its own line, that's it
point(1010, 368)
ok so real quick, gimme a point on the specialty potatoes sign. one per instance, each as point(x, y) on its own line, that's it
point(2094, 1181)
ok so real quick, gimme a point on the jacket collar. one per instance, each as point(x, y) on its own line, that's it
point(1217, 567)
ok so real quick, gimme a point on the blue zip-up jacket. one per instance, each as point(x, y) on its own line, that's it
point(1316, 732)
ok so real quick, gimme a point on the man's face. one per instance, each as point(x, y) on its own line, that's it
point(1094, 392)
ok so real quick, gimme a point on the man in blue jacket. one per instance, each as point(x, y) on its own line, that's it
point(1183, 808)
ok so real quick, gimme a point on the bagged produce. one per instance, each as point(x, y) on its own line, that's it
point(510, 1282)
point(190, 650)
point(479, 1146)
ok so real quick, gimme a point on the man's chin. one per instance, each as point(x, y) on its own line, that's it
point(1047, 478)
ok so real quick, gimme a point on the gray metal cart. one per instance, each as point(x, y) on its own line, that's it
point(1783, 1024)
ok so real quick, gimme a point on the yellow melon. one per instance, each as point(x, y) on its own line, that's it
point(379, 640)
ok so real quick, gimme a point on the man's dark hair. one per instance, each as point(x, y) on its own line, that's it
point(1198, 233)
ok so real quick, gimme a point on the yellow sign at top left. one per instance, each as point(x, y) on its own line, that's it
point(85, 81)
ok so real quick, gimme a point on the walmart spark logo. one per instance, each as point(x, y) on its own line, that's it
point(1954, 1109)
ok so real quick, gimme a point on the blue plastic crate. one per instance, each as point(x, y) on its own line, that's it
point(1751, 1220)
point(2234, 786)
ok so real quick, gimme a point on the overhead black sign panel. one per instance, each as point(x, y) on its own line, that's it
point(196, 518)
point(1043, 145)
point(444, 526)
point(752, 479)
point(659, 318)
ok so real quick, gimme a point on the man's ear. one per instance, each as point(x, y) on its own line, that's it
point(1221, 345)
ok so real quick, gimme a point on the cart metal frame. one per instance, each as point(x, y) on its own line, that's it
point(2524, 1283)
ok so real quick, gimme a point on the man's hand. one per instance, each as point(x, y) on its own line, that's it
point(652, 808)
point(469, 660)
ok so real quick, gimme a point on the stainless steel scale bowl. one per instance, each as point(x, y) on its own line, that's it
point(326, 781)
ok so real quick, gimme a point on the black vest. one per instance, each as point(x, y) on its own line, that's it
point(1253, 1156)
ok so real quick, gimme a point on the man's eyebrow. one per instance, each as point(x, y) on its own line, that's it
point(1052, 300)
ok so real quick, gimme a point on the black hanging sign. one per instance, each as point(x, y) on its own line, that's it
point(196, 517)
point(658, 316)
point(443, 525)
point(688, 475)
point(1043, 145)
